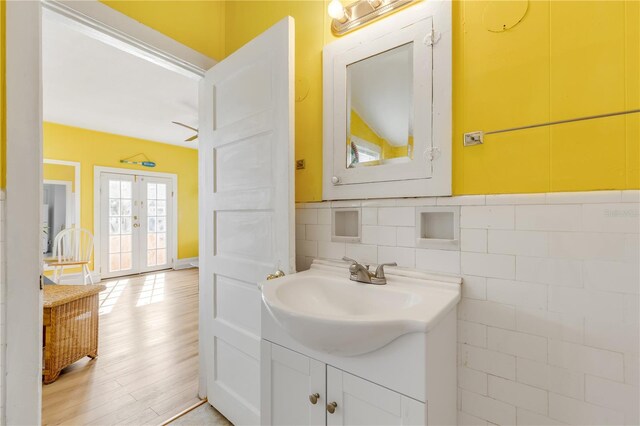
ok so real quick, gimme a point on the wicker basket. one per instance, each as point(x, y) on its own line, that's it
point(70, 326)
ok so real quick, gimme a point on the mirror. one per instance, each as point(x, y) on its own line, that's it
point(387, 108)
point(60, 200)
point(379, 105)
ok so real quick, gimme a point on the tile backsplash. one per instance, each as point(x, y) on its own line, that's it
point(548, 327)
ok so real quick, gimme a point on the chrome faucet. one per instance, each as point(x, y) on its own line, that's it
point(361, 273)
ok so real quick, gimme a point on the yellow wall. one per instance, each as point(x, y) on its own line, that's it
point(103, 149)
point(60, 172)
point(197, 24)
point(565, 59)
point(247, 19)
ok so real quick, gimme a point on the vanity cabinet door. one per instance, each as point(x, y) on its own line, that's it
point(291, 382)
point(360, 402)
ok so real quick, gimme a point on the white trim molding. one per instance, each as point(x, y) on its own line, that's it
point(77, 167)
point(103, 23)
point(22, 375)
point(186, 263)
point(22, 388)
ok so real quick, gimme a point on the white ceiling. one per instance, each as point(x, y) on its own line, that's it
point(381, 93)
point(89, 84)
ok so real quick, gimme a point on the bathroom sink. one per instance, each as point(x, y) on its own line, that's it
point(325, 311)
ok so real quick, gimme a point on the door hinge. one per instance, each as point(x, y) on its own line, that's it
point(41, 282)
point(432, 38)
point(432, 153)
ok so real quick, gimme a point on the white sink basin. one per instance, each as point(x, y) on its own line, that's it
point(325, 311)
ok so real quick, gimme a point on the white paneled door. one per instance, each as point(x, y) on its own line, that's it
point(135, 228)
point(246, 210)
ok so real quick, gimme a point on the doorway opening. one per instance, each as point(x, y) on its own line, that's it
point(156, 292)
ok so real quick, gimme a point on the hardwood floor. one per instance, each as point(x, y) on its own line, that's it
point(147, 365)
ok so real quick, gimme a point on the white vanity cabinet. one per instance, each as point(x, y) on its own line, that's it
point(328, 340)
point(298, 390)
point(289, 382)
point(361, 402)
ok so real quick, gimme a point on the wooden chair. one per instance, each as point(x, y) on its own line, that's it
point(72, 247)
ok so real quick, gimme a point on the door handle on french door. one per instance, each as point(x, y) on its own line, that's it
point(136, 225)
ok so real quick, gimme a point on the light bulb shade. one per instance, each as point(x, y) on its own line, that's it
point(336, 10)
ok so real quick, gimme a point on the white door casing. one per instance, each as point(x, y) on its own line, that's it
point(22, 382)
point(22, 386)
point(246, 185)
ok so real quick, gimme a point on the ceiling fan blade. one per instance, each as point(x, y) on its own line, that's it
point(184, 125)
point(194, 137)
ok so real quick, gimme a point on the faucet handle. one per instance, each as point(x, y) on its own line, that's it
point(353, 267)
point(348, 259)
point(380, 269)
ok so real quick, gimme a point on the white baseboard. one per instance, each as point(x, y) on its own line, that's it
point(189, 262)
point(77, 278)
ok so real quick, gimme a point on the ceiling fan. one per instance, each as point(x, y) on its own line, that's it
point(194, 137)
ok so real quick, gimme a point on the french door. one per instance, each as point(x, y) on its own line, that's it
point(135, 229)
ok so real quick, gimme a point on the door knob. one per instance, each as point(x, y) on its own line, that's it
point(331, 407)
point(136, 225)
point(313, 398)
point(277, 274)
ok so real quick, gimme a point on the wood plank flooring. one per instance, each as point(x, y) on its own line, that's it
point(147, 365)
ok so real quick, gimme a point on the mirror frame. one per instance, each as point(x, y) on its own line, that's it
point(429, 173)
point(76, 199)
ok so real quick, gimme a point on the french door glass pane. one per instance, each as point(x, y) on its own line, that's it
point(162, 240)
point(151, 240)
point(125, 243)
point(120, 225)
point(151, 258)
point(114, 189)
point(125, 206)
point(156, 224)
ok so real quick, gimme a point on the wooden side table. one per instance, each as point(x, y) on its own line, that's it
point(70, 326)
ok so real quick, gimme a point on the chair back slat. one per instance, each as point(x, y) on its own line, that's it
point(73, 245)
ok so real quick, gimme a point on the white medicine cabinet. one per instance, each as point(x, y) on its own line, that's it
point(387, 107)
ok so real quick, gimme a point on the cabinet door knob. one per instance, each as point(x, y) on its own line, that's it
point(313, 398)
point(331, 407)
point(335, 180)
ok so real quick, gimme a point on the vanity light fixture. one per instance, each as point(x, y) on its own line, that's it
point(336, 11)
point(348, 18)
